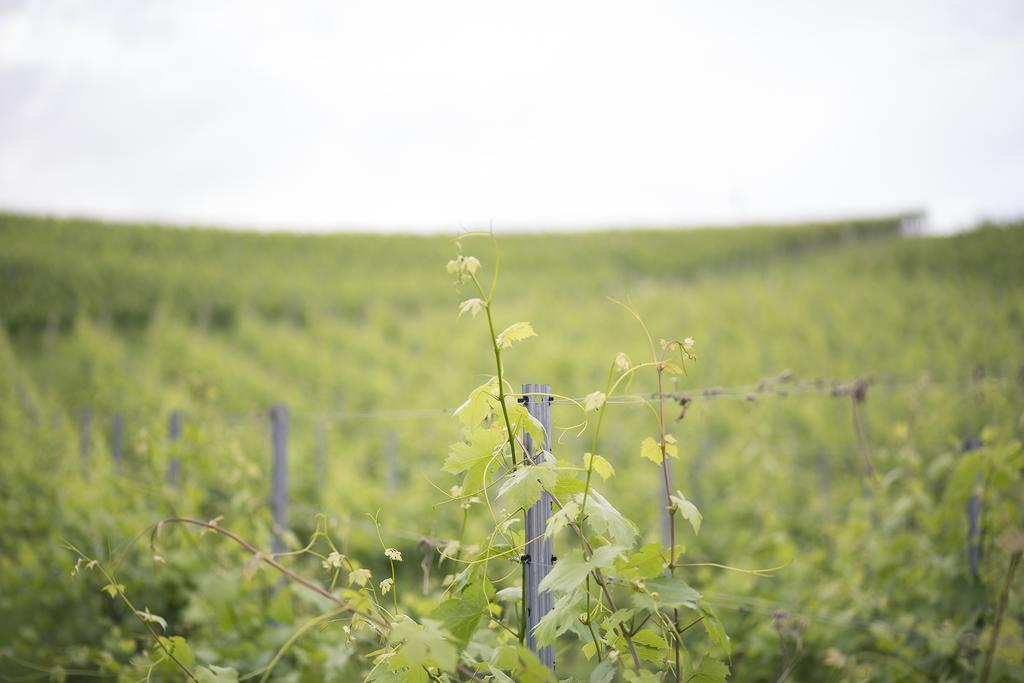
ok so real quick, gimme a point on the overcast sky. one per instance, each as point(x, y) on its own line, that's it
point(435, 115)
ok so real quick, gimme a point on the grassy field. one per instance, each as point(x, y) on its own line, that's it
point(359, 336)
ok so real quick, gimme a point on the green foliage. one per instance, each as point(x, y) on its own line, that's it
point(569, 573)
point(687, 510)
point(872, 578)
point(523, 488)
point(514, 333)
point(666, 592)
point(461, 613)
point(644, 563)
point(414, 649)
point(606, 520)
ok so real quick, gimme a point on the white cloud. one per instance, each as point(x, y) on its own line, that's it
point(434, 115)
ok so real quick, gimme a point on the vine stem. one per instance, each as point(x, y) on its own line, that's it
point(1000, 609)
point(268, 559)
point(383, 626)
point(604, 587)
point(135, 611)
point(665, 475)
point(668, 505)
point(608, 387)
point(504, 414)
point(590, 625)
point(500, 367)
point(294, 637)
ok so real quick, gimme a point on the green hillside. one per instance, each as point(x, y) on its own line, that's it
point(359, 336)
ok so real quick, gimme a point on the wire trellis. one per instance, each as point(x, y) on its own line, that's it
point(783, 385)
point(779, 386)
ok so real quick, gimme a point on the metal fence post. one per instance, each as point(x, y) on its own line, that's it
point(974, 530)
point(539, 555)
point(116, 439)
point(173, 434)
point(279, 473)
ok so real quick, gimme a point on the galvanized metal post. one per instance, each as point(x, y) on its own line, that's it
point(117, 439)
point(539, 557)
point(279, 473)
point(974, 530)
point(173, 434)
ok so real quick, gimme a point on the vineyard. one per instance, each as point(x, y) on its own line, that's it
point(762, 453)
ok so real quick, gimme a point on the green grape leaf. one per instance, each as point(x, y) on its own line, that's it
point(480, 404)
point(112, 589)
point(667, 591)
point(177, 647)
point(460, 614)
point(523, 488)
point(599, 465)
point(603, 672)
point(645, 563)
point(475, 457)
point(523, 422)
point(650, 450)
point(687, 510)
point(216, 674)
point(604, 519)
point(708, 671)
point(615, 618)
point(522, 664)
point(564, 616)
point(499, 675)
point(649, 645)
point(562, 518)
point(514, 333)
point(715, 630)
point(417, 646)
point(479, 446)
point(567, 483)
point(150, 618)
point(569, 572)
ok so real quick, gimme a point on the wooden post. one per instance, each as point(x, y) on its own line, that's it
point(279, 473)
point(117, 439)
point(84, 438)
point(173, 434)
point(539, 555)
